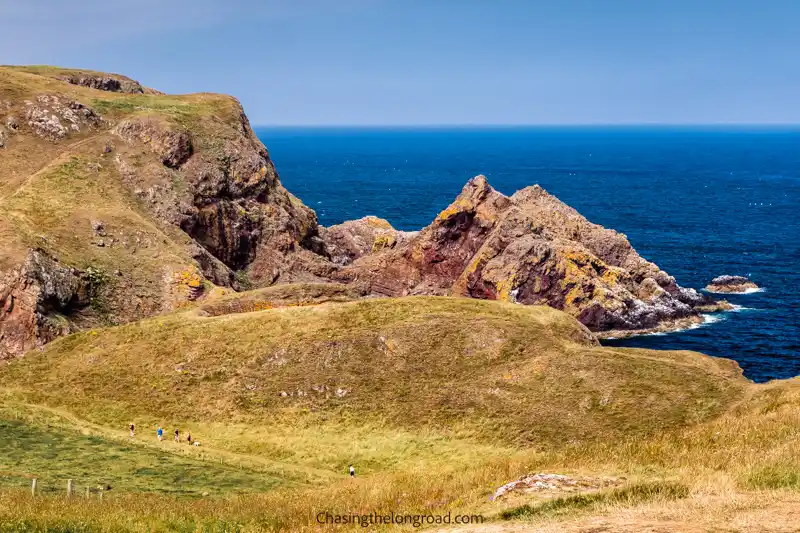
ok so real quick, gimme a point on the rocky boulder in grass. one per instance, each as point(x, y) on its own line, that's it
point(554, 483)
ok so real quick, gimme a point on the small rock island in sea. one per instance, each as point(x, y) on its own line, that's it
point(732, 285)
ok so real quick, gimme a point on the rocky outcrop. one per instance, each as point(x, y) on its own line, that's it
point(543, 482)
point(53, 117)
point(172, 145)
point(353, 239)
point(530, 248)
point(732, 285)
point(104, 82)
point(193, 192)
point(227, 196)
point(34, 300)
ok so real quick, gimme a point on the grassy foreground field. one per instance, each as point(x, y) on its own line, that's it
point(436, 401)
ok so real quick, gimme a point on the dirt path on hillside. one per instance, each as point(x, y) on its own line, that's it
point(61, 158)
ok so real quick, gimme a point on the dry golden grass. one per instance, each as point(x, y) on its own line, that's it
point(489, 370)
point(447, 399)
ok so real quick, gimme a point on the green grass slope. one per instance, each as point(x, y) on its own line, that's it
point(54, 455)
point(486, 369)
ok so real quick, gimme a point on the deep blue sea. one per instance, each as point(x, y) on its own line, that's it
point(699, 202)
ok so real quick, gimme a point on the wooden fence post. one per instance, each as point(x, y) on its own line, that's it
point(69, 488)
point(33, 486)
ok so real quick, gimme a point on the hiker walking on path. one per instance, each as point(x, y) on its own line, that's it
point(177, 436)
point(160, 434)
point(189, 437)
point(352, 471)
point(131, 428)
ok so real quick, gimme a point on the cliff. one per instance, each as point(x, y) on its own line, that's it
point(137, 201)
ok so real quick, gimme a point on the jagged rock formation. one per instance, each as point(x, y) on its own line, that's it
point(732, 285)
point(230, 199)
point(530, 248)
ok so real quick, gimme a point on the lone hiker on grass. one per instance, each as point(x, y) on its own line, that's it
point(177, 436)
point(160, 434)
point(352, 471)
point(131, 428)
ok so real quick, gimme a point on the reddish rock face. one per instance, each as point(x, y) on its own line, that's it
point(530, 248)
point(32, 298)
point(230, 201)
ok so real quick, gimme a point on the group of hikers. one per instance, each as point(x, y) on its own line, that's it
point(160, 434)
point(177, 438)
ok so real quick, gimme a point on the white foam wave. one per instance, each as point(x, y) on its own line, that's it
point(708, 319)
point(746, 291)
point(740, 308)
point(753, 290)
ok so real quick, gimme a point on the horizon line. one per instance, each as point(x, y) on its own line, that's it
point(550, 125)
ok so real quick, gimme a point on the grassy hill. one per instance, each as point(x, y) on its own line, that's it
point(521, 374)
point(437, 401)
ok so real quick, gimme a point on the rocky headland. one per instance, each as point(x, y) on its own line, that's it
point(732, 285)
point(531, 248)
point(120, 202)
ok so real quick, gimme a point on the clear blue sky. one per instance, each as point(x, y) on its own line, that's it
point(342, 62)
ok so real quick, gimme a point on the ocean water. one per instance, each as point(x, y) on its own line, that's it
point(699, 202)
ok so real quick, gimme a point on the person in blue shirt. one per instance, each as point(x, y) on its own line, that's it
point(160, 433)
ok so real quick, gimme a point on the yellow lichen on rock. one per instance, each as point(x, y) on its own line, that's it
point(188, 283)
point(505, 288)
point(382, 241)
point(376, 222)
